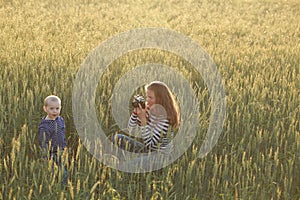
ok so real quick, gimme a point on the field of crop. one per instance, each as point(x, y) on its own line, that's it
point(256, 46)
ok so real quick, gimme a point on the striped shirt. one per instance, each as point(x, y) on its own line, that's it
point(157, 134)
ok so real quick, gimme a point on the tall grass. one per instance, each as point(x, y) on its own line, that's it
point(255, 45)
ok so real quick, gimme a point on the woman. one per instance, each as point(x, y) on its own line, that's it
point(156, 122)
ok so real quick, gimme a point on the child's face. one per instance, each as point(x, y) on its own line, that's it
point(52, 109)
point(150, 98)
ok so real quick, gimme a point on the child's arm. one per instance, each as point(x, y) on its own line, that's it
point(44, 136)
point(63, 125)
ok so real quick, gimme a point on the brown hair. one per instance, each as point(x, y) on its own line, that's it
point(165, 98)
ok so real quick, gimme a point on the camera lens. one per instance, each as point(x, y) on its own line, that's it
point(139, 100)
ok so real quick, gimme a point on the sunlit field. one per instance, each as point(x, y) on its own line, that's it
point(256, 47)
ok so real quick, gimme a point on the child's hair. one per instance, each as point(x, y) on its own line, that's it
point(52, 98)
point(164, 97)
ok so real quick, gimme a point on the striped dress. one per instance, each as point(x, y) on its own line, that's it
point(157, 135)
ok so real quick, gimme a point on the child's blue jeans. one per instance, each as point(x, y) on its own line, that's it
point(60, 163)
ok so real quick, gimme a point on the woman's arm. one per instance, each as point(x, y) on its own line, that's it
point(133, 121)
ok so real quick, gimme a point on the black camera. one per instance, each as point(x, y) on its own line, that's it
point(139, 100)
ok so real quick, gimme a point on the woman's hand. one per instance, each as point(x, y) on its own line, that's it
point(142, 114)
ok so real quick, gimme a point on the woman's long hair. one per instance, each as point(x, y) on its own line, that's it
point(165, 98)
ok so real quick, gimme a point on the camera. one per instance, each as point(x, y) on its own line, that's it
point(139, 100)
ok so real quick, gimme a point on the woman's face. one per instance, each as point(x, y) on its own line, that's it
point(150, 98)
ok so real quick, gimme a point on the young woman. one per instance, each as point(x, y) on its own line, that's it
point(156, 122)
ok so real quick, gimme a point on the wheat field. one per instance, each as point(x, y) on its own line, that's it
point(256, 46)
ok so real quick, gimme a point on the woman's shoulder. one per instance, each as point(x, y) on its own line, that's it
point(160, 118)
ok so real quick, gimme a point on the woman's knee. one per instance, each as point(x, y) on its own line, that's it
point(116, 137)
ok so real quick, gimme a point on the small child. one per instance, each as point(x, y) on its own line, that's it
point(52, 129)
